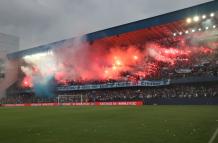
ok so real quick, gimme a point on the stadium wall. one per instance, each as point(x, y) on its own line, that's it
point(121, 103)
point(182, 101)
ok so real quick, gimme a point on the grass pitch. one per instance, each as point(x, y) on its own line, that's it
point(146, 124)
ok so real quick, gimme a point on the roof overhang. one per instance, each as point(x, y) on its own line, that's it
point(127, 30)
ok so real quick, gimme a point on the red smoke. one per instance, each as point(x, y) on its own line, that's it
point(84, 62)
point(27, 82)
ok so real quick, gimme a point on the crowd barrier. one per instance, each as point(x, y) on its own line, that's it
point(121, 103)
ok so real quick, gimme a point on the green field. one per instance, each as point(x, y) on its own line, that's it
point(146, 124)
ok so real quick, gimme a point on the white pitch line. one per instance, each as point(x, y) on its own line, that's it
point(213, 136)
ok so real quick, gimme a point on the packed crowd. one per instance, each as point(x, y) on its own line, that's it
point(30, 98)
point(134, 94)
point(125, 94)
point(200, 65)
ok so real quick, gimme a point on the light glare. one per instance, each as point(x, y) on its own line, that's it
point(212, 15)
point(196, 18)
point(188, 20)
point(204, 16)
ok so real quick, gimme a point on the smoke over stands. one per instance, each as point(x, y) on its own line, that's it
point(78, 60)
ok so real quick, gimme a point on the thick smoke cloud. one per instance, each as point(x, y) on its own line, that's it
point(78, 60)
point(37, 22)
point(81, 61)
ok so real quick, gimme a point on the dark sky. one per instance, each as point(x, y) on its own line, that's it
point(38, 22)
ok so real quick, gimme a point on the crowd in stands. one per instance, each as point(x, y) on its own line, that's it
point(30, 98)
point(199, 65)
point(134, 94)
point(124, 94)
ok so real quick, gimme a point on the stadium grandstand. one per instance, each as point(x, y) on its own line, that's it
point(166, 59)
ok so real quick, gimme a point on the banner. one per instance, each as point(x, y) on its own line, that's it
point(183, 70)
point(123, 103)
point(114, 85)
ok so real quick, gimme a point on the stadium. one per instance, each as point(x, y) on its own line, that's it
point(170, 59)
